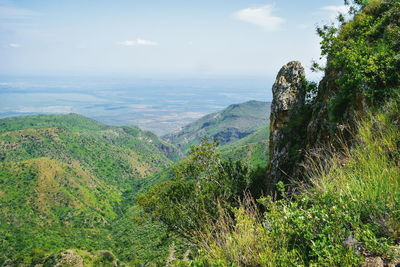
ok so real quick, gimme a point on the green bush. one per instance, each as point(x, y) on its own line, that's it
point(363, 54)
point(186, 202)
point(351, 211)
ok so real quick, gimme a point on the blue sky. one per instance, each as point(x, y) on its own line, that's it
point(159, 37)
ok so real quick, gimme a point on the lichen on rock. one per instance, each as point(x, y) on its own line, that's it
point(288, 98)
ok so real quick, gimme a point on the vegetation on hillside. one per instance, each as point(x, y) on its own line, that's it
point(131, 153)
point(69, 182)
point(364, 52)
point(350, 211)
point(251, 150)
point(228, 125)
point(202, 183)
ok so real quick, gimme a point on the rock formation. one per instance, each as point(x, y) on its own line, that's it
point(300, 129)
point(288, 98)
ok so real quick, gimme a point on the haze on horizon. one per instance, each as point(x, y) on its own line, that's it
point(159, 38)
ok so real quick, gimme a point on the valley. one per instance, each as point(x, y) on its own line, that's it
point(68, 181)
point(121, 101)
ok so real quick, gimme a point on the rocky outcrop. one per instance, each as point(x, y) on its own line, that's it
point(288, 98)
point(301, 128)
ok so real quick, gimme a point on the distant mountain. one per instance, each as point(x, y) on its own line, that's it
point(67, 181)
point(233, 123)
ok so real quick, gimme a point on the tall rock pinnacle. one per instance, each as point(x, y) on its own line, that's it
point(288, 97)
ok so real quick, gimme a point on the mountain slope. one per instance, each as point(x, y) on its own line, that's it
point(54, 193)
point(47, 205)
point(68, 182)
point(116, 155)
point(228, 125)
point(252, 149)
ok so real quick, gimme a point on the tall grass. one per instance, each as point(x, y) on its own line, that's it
point(351, 211)
point(370, 177)
point(229, 235)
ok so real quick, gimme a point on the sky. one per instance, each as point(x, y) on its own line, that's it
point(159, 37)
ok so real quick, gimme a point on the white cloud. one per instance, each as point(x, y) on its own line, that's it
point(260, 16)
point(14, 45)
point(145, 42)
point(137, 42)
point(127, 43)
point(335, 10)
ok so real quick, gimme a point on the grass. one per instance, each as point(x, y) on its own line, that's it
point(351, 211)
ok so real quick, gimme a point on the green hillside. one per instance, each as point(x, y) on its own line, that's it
point(67, 181)
point(130, 152)
point(72, 122)
point(47, 205)
point(54, 193)
point(252, 149)
point(228, 125)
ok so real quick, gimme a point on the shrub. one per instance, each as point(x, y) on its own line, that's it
point(363, 52)
point(187, 201)
point(351, 211)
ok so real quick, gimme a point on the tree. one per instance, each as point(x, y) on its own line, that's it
point(202, 182)
point(364, 54)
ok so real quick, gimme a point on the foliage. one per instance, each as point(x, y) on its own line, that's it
point(138, 240)
point(75, 257)
point(186, 202)
point(311, 89)
point(69, 182)
point(364, 54)
point(351, 211)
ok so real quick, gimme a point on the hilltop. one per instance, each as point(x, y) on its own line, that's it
point(230, 124)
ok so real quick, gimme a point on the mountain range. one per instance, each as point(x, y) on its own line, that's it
point(70, 182)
